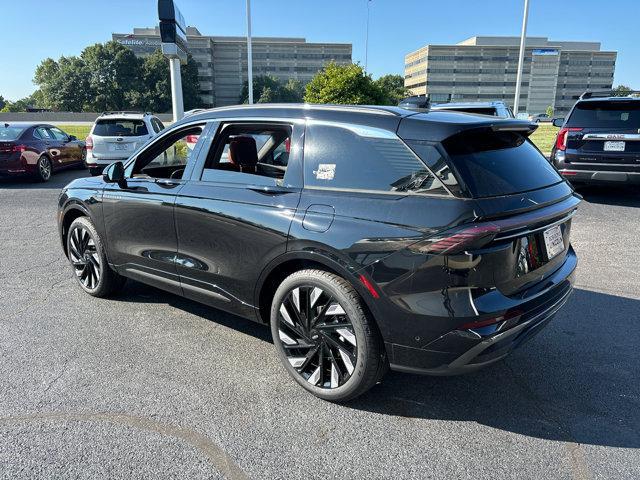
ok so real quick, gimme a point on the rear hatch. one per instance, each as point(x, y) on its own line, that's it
point(523, 209)
point(604, 135)
point(118, 138)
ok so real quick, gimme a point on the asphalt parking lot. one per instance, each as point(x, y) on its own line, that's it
point(152, 385)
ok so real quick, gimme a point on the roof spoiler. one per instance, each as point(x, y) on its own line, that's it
point(417, 103)
point(606, 94)
point(522, 126)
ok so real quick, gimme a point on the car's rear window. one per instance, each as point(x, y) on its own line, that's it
point(499, 163)
point(618, 114)
point(120, 128)
point(10, 133)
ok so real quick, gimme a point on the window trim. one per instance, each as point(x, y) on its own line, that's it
point(189, 167)
point(293, 175)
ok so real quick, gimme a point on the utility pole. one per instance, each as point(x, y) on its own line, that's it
point(176, 89)
point(523, 36)
point(366, 42)
point(249, 55)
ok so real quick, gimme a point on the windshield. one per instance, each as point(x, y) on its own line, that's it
point(618, 114)
point(10, 133)
point(499, 163)
point(120, 128)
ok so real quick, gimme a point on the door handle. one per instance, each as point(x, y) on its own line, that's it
point(167, 182)
point(271, 189)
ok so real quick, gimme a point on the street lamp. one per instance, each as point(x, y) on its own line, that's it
point(523, 36)
point(249, 56)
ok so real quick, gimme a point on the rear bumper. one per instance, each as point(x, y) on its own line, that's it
point(472, 349)
point(600, 177)
point(92, 161)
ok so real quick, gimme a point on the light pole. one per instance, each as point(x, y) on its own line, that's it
point(249, 56)
point(366, 42)
point(523, 36)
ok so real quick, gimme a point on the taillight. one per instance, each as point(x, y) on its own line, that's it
point(192, 138)
point(89, 143)
point(561, 139)
point(287, 144)
point(19, 148)
point(456, 241)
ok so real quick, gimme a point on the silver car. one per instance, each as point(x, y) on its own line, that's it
point(116, 135)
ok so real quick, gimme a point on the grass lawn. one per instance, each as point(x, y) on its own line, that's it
point(80, 131)
point(544, 137)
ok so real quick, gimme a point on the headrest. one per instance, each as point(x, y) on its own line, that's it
point(243, 151)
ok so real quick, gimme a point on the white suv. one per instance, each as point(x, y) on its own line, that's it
point(116, 135)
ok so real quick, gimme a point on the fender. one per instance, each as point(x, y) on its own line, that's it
point(331, 260)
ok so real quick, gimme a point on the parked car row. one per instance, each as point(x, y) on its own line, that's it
point(38, 150)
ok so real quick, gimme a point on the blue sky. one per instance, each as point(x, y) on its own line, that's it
point(35, 29)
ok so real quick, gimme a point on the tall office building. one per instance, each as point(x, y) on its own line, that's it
point(555, 73)
point(222, 61)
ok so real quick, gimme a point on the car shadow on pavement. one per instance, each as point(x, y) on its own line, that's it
point(623, 196)
point(140, 293)
point(577, 381)
point(57, 181)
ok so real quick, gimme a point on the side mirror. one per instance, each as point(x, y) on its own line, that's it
point(114, 173)
point(558, 122)
point(72, 138)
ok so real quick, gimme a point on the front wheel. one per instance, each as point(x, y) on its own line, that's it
point(324, 336)
point(89, 262)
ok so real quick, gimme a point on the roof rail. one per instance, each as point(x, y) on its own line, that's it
point(121, 112)
point(605, 93)
point(193, 111)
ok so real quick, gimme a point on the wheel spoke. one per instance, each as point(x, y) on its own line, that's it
point(317, 337)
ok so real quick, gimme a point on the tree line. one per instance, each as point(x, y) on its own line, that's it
point(108, 77)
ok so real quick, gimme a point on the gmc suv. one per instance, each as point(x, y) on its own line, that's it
point(600, 140)
point(366, 237)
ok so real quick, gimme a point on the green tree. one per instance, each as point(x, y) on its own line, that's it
point(344, 84)
point(113, 72)
point(621, 91)
point(268, 89)
point(3, 102)
point(393, 87)
point(549, 111)
point(155, 80)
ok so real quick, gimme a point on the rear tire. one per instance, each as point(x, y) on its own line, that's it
point(324, 336)
point(43, 169)
point(86, 254)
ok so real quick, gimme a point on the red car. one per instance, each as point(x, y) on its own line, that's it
point(37, 150)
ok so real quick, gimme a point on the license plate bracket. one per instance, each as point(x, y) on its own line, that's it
point(553, 241)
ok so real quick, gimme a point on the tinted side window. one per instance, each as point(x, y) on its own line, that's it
point(43, 133)
point(58, 134)
point(437, 163)
point(363, 158)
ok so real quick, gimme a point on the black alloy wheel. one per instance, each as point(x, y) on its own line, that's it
point(317, 336)
point(84, 257)
point(88, 260)
point(324, 337)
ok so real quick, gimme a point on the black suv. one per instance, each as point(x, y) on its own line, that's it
point(600, 140)
point(367, 237)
